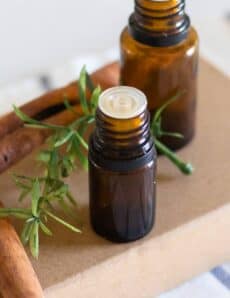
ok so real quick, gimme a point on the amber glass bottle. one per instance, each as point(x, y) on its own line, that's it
point(122, 167)
point(159, 55)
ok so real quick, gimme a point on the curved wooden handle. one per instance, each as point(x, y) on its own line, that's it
point(106, 77)
point(16, 141)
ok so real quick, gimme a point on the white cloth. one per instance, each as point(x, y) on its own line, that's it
point(214, 284)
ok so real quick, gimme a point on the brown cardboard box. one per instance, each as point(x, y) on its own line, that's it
point(192, 227)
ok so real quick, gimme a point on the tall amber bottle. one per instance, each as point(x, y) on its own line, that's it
point(159, 55)
point(122, 167)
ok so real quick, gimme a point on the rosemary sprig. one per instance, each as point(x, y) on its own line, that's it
point(66, 146)
point(44, 192)
point(158, 133)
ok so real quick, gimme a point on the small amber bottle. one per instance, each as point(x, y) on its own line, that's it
point(122, 167)
point(159, 55)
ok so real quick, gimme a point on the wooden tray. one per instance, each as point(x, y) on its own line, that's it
point(192, 227)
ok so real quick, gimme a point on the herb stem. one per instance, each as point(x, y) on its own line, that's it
point(61, 221)
point(184, 167)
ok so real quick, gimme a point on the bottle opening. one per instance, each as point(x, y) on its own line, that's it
point(122, 102)
point(159, 23)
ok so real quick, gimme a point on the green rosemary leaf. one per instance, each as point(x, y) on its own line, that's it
point(163, 107)
point(52, 185)
point(94, 99)
point(44, 156)
point(49, 205)
point(82, 128)
point(82, 158)
point(89, 82)
point(82, 122)
point(68, 106)
point(67, 166)
point(22, 177)
point(91, 119)
point(82, 141)
point(36, 194)
point(82, 91)
point(25, 235)
point(23, 194)
point(34, 240)
point(16, 212)
point(21, 185)
point(185, 168)
point(31, 219)
point(65, 139)
point(156, 128)
point(61, 191)
point(38, 126)
point(42, 125)
point(172, 134)
point(79, 121)
point(61, 221)
point(71, 199)
point(76, 144)
point(32, 122)
point(23, 116)
point(69, 149)
point(68, 210)
point(53, 168)
point(45, 229)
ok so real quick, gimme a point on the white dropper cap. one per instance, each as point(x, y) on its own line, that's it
point(122, 102)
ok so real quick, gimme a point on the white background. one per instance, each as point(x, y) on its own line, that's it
point(39, 34)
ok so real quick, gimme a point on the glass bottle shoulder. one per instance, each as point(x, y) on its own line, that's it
point(134, 48)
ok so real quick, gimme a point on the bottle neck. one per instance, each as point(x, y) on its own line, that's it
point(159, 22)
point(122, 139)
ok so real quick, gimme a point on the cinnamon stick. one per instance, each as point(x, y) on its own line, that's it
point(22, 141)
point(105, 77)
point(17, 277)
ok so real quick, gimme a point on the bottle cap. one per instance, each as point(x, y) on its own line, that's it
point(122, 102)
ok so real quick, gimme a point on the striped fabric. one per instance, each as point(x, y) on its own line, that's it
point(215, 284)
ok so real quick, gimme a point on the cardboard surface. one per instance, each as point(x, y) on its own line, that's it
point(191, 234)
